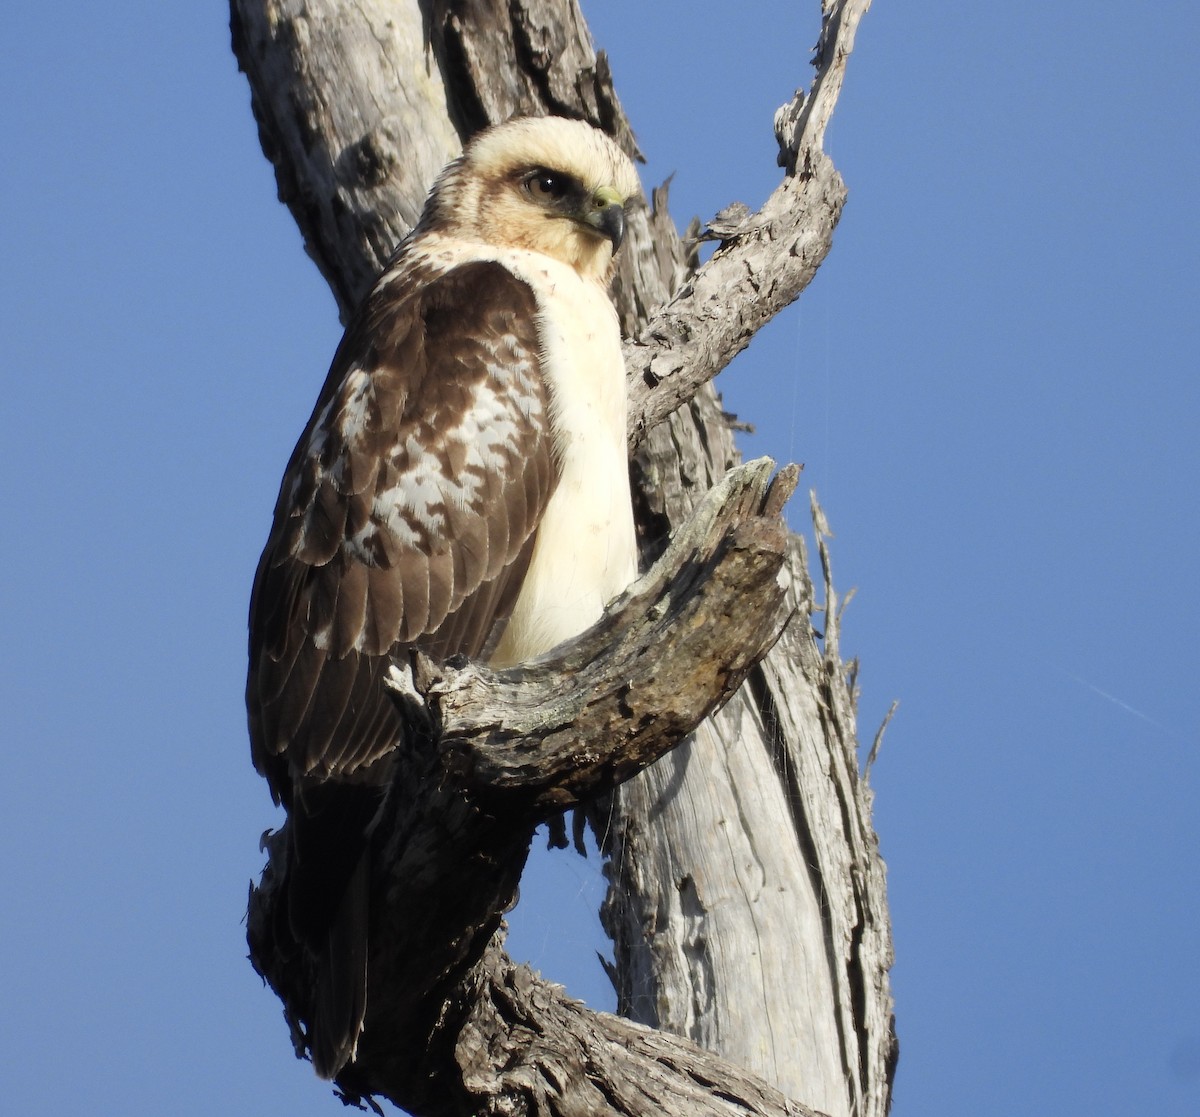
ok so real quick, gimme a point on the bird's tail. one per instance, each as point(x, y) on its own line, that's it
point(340, 997)
point(329, 910)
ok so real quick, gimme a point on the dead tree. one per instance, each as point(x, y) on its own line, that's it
point(747, 903)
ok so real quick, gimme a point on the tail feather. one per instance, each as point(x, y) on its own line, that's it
point(340, 1000)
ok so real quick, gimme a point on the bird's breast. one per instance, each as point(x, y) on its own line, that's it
point(585, 551)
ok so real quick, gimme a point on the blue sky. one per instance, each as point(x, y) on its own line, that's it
point(992, 384)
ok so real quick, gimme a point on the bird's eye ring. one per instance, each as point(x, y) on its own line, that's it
point(546, 186)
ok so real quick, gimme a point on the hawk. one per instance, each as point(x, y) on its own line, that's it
point(461, 487)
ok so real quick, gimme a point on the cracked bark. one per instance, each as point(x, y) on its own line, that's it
point(747, 905)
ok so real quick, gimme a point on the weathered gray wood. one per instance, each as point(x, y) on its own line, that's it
point(352, 112)
point(748, 905)
point(575, 1063)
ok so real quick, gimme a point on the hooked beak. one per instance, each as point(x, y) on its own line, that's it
point(606, 214)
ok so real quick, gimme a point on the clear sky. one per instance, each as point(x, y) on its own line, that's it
point(992, 384)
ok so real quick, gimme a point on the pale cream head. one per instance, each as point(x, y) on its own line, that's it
point(547, 184)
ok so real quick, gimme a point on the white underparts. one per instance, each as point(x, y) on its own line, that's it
point(585, 552)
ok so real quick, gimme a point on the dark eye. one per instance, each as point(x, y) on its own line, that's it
point(546, 186)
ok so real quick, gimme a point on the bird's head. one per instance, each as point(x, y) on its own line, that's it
point(551, 185)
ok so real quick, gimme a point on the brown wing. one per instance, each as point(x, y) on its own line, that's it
point(406, 516)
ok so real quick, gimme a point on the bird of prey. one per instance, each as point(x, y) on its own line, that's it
point(461, 487)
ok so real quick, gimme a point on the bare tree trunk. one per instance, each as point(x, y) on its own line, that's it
point(748, 905)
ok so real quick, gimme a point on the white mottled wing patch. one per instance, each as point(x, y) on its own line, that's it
point(407, 514)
